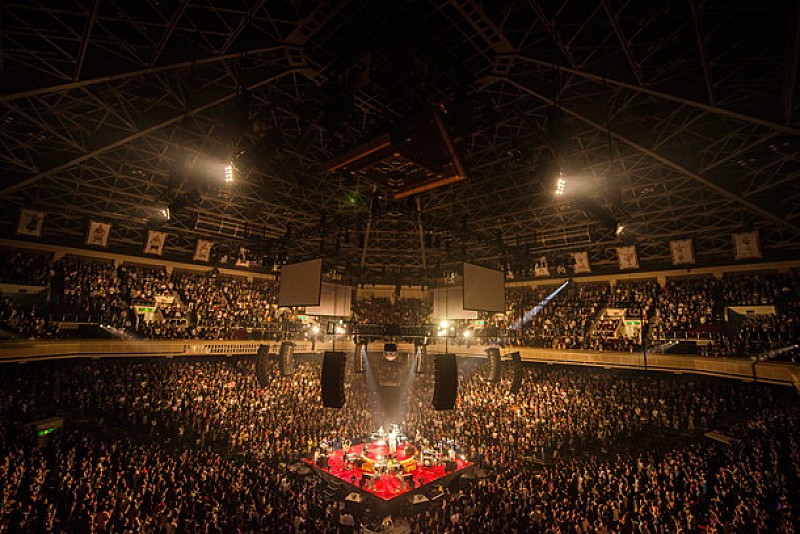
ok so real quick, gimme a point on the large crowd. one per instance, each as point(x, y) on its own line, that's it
point(199, 446)
point(385, 310)
point(185, 304)
point(192, 305)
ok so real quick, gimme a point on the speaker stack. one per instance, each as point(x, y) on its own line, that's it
point(287, 358)
point(493, 354)
point(333, 368)
point(262, 365)
point(516, 369)
point(445, 385)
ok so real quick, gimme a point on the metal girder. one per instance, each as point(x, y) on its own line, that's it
point(85, 41)
point(552, 31)
point(171, 25)
point(701, 47)
point(792, 64)
point(80, 84)
point(623, 42)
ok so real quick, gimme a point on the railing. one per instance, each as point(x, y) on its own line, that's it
point(740, 368)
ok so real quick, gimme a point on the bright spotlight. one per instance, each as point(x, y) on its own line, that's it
point(467, 333)
point(165, 213)
point(314, 330)
point(620, 229)
point(229, 174)
point(444, 324)
point(561, 185)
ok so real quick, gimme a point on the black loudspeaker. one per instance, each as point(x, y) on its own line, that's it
point(262, 366)
point(421, 352)
point(333, 367)
point(287, 358)
point(359, 358)
point(516, 370)
point(450, 466)
point(493, 354)
point(445, 385)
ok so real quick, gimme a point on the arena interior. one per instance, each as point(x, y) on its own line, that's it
point(410, 266)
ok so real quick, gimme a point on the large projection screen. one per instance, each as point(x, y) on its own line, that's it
point(335, 301)
point(448, 303)
point(484, 289)
point(301, 284)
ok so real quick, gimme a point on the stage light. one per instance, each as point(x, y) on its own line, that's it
point(467, 333)
point(444, 324)
point(165, 213)
point(229, 174)
point(314, 330)
point(561, 185)
point(620, 231)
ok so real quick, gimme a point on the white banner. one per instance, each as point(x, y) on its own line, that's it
point(747, 245)
point(628, 259)
point(202, 251)
point(682, 251)
point(30, 223)
point(540, 267)
point(155, 242)
point(242, 259)
point(97, 234)
point(582, 264)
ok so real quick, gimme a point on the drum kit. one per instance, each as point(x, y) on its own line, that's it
point(429, 458)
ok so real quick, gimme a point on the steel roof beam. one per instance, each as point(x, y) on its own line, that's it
point(626, 49)
point(663, 160)
point(131, 74)
point(137, 135)
point(784, 128)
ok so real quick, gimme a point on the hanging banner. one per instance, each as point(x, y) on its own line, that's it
point(242, 259)
point(581, 264)
point(30, 223)
point(682, 251)
point(97, 234)
point(540, 267)
point(628, 259)
point(202, 251)
point(746, 245)
point(155, 242)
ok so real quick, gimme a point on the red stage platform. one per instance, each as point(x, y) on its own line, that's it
point(386, 486)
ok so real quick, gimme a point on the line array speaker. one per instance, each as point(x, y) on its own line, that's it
point(493, 354)
point(516, 369)
point(445, 385)
point(333, 368)
point(262, 365)
point(287, 358)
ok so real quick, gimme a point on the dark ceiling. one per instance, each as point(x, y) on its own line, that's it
point(678, 118)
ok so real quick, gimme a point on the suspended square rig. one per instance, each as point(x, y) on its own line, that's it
point(415, 156)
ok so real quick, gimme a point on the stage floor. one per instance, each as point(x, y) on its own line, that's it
point(385, 486)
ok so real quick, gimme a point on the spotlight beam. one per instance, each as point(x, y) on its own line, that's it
point(530, 314)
